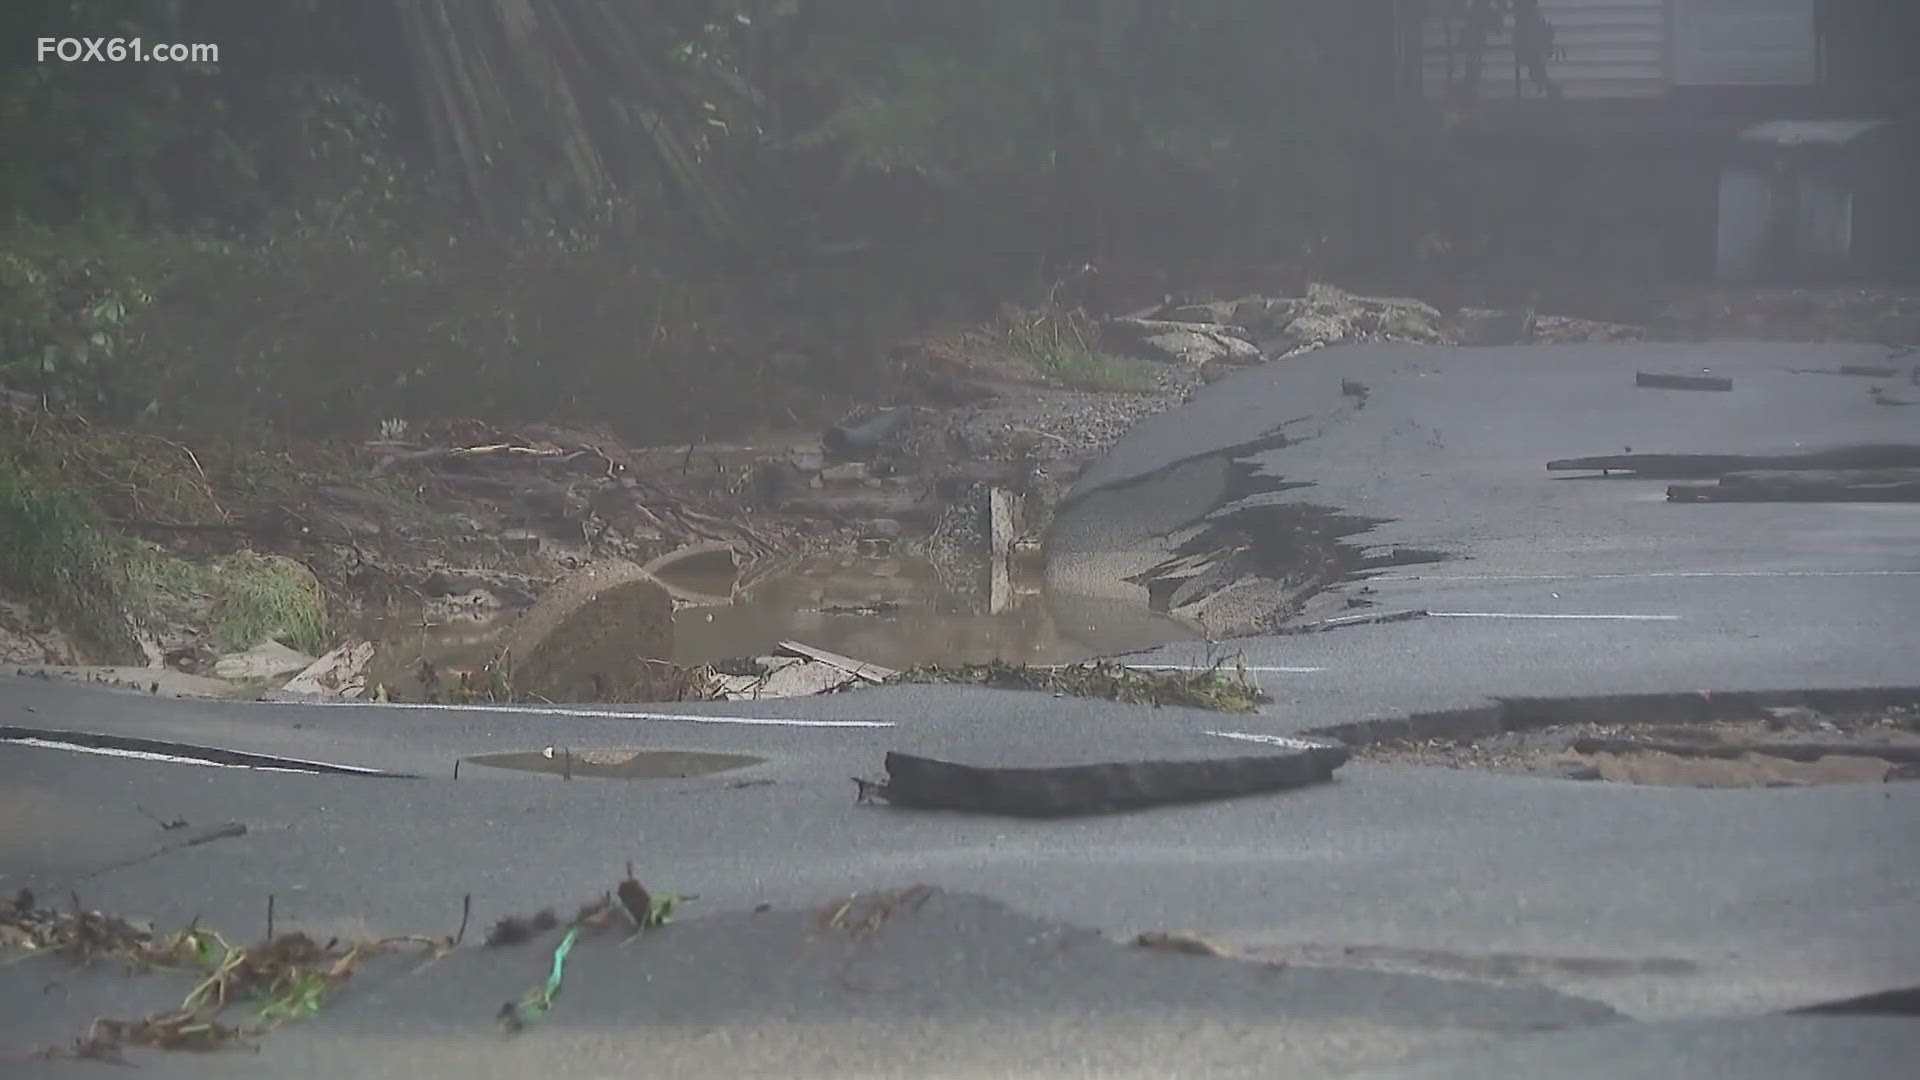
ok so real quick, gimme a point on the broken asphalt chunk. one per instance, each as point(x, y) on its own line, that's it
point(1857, 485)
point(1654, 381)
point(930, 784)
point(1693, 466)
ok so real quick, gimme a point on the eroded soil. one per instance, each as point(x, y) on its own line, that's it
point(1785, 747)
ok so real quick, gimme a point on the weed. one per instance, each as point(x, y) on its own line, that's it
point(259, 597)
point(55, 548)
point(287, 977)
point(1058, 343)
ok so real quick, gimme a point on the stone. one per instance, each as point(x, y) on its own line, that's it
point(521, 541)
point(1315, 328)
point(341, 674)
point(591, 635)
point(1177, 342)
point(847, 472)
point(263, 661)
point(1488, 327)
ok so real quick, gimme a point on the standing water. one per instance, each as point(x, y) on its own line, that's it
point(896, 612)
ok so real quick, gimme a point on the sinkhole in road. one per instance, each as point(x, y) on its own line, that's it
point(616, 763)
point(1708, 740)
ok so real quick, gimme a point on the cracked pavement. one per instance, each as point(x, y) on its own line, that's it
point(1433, 923)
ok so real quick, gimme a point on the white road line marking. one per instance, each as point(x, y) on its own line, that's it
point(1271, 740)
point(1228, 667)
point(143, 755)
point(1540, 615)
point(1654, 574)
point(1279, 669)
point(606, 714)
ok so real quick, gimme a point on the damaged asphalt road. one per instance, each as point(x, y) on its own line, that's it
point(1693, 903)
point(1545, 904)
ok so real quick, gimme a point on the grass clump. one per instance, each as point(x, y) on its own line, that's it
point(1222, 687)
point(1058, 343)
point(259, 598)
point(56, 549)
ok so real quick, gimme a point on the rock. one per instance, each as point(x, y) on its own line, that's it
point(1254, 313)
point(847, 472)
point(1559, 329)
point(341, 673)
point(882, 529)
point(448, 581)
point(865, 436)
point(1487, 327)
point(1178, 342)
point(1795, 718)
point(591, 635)
point(784, 677)
point(1420, 324)
point(1317, 328)
point(1200, 313)
point(521, 541)
point(263, 661)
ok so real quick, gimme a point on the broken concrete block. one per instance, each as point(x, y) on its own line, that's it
point(1177, 342)
point(263, 661)
point(847, 472)
point(592, 634)
point(341, 673)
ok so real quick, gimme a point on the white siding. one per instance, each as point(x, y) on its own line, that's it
point(1612, 49)
point(1743, 42)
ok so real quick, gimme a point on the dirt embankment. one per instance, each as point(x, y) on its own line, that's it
point(960, 454)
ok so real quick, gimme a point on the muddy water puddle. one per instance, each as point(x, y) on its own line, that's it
point(895, 612)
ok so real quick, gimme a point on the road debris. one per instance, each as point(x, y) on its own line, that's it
point(629, 902)
point(1179, 942)
point(1104, 787)
point(858, 668)
point(1223, 686)
point(1700, 466)
point(1858, 485)
point(1764, 748)
point(285, 977)
point(1681, 382)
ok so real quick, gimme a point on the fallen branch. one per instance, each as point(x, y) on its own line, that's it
point(506, 451)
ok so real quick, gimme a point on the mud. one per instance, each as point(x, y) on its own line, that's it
point(1779, 746)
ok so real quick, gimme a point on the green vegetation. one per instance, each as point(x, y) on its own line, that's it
point(55, 549)
point(368, 209)
point(286, 977)
point(1223, 686)
point(259, 598)
point(1059, 344)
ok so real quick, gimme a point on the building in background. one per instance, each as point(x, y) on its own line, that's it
point(1645, 141)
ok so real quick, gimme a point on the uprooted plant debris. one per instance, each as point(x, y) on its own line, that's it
point(1222, 687)
point(629, 903)
point(286, 977)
